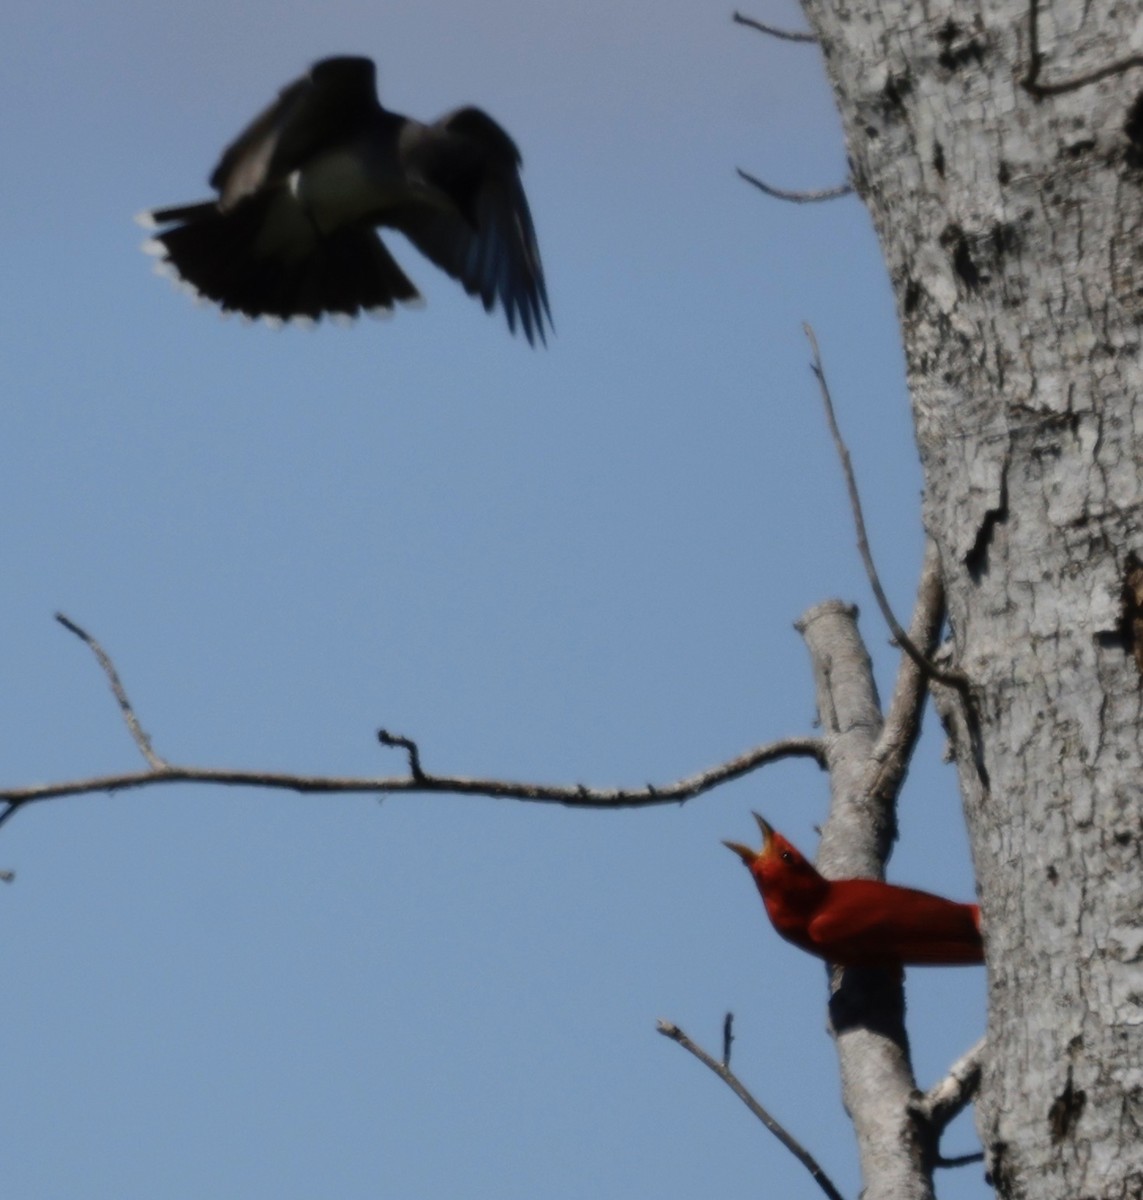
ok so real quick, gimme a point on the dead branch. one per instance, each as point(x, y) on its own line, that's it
point(672, 1031)
point(570, 795)
point(889, 761)
point(137, 732)
point(947, 1099)
point(785, 35)
point(935, 1110)
point(1031, 81)
point(162, 771)
point(954, 679)
point(866, 1007)
point(960, 1160)
point(833, 193)
point(399, 741)
point(793, 197)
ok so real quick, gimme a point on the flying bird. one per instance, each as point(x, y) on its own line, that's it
point(858, 922)
point(302, 188)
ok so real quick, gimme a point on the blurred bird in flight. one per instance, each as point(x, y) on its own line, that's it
point(302, 188)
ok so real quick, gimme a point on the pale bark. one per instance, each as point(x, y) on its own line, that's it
point(867, 1012)
point(867, 756)
point(1011, 228)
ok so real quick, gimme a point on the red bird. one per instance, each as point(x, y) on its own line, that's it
point(858, 922)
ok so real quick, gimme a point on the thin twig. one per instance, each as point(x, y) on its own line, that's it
point(727, 1038)
point(1031, 82)
point(960, 1160)
point(137, 732)
point(833, 193)
point(889, 762)
point(945, 1100)
point(930, 670)
point(786, 35)
point(672, 1031)
point(401, 742)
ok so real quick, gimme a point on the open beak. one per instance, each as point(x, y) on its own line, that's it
point(744, 852)
point(747, 855)
point(767, 831)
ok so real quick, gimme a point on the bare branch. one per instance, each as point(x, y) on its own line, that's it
point(947, 1099)
point(418, 780)
point(138, 734)
point(1030, 83)
point(785, 35)
point(572, 796)
point(866, 1007)
point(672, 1031)
point(960, 1160)
point(889, 761)
point(929, 669)
point(395, 739)
point(833, 193)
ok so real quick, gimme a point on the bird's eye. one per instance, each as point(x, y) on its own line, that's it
point(787, 857)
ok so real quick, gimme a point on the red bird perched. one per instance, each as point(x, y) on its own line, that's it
point(858, 922)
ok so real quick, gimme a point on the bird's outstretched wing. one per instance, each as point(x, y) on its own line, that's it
point(485, 237)
point(336, 94)
point(268, 247)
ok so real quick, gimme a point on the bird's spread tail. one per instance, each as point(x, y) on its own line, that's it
point(264, 259)
point(156, 218)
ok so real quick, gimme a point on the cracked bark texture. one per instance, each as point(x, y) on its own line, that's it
point(1011, 228)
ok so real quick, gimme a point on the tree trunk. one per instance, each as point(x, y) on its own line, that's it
point(1010, 223)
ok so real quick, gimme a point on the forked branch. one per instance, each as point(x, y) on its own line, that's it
point(935, 1110)
point(722, 1070)
point(947, 1099)
point(930, 670)
point(160, 770)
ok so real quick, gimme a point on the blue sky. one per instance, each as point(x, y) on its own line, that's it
point(575, 564)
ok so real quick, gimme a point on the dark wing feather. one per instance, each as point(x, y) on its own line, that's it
point(485, 238)
point(336, 94)
point(866, 923)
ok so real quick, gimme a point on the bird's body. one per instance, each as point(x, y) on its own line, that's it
point(345, 187)
point(301, 190)
point(858, 922)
